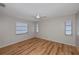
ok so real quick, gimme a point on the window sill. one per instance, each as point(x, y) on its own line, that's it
point(22, 33)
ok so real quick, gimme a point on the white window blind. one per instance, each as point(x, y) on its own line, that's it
point(68, 27)
point(21, 28)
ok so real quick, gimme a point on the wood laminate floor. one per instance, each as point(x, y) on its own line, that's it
point(37, 46)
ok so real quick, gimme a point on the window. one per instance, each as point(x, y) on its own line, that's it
point(21, 28)
point(37, 29)
point(68, 27)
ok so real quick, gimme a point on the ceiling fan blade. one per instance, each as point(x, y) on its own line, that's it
point(43, 17)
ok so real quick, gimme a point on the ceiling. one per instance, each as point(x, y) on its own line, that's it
point(28, 11)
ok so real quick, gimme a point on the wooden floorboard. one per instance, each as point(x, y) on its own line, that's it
point(36, 46)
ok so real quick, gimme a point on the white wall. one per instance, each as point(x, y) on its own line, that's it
point(53, 29)
point(8, 31)
point(77, 36)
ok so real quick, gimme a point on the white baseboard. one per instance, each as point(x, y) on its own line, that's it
point(14, 42)
point(46, 38)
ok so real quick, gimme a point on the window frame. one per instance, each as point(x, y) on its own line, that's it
point(22, 26)
point(37, 27)
point(68, 30)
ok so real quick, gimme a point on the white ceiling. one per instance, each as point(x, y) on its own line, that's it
point(29, 10)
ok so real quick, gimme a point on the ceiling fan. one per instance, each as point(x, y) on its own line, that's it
point(39, 17)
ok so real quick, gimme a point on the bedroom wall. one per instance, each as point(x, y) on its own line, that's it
point(7, 28)
point(8, 31)
point(77, 36)
point(54, 29)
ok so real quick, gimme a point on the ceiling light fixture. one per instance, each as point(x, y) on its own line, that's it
point(37, 16)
